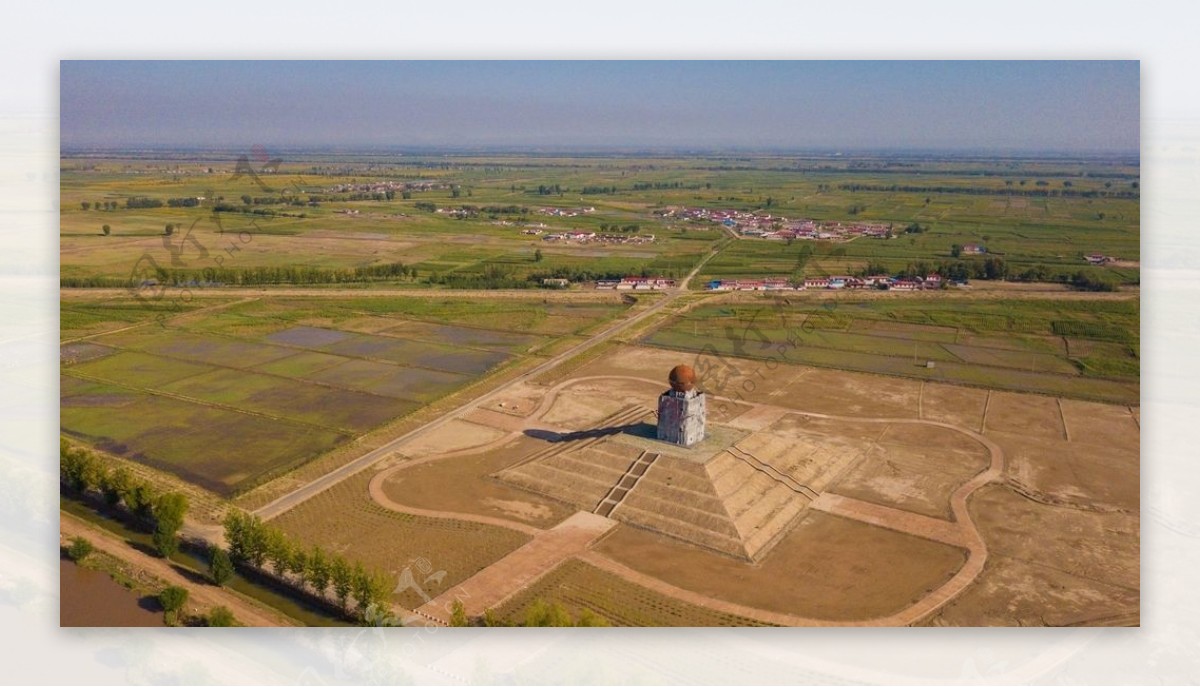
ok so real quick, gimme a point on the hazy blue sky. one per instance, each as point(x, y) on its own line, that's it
point(1006, 106)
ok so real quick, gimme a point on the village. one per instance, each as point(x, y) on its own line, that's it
point(767, 226)
point(877, 281)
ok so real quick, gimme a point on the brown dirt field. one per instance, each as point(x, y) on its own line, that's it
point(585, 405)
point(828, 567)
point(463, 485)
point(1101, 424)
point(934, 438)
point(827, 429)
point(455, 435)
point(1028, 414)
point(1072, 473)
point(956, 405)
point(1048, 565)
point(519, 401)
point(578, 586)
point(1100, 546)
point(911, 478)
point(345, 520)
point(837, 392)
point(1011, 592)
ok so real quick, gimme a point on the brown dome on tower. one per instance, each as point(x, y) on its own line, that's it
point(682, 378)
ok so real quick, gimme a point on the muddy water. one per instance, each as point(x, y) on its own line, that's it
point(92, 599)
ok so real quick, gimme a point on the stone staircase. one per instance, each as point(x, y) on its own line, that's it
point(637, 469)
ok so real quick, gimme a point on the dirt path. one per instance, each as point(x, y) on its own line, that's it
point(125, 292)
point(199, 594)
point(521, 568)
point(890, 518)
point(961, 532)
point(379, 496)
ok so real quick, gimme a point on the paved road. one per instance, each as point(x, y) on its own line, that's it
point(499, 581)
point(292, 499)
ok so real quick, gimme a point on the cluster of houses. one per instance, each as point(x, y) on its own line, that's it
point(877, 281)
point(593, 237)
point(767, 226)
point(1098, 259)
point(566, 212)
point(636, 283)
point(385, 186)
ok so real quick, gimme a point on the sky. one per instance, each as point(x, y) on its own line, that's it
point(1001, 106)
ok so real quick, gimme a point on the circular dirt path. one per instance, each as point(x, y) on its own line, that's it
point(968, 533)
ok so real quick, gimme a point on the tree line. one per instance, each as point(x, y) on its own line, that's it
point(263, 275)
point(100, 205)
point(994, 267)
point(986, 191)
point(86, 474)
point(364, 593)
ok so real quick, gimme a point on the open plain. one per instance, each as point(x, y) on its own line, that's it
point(397, 365)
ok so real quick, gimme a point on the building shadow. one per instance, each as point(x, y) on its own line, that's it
point(637, 429)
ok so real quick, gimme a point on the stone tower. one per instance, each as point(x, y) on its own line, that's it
point(681, 409)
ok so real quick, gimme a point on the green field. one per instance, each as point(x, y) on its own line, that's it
point(1076, 348)
point(1033, 213)
point(230, 397)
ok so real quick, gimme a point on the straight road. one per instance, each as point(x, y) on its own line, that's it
point(294, 498)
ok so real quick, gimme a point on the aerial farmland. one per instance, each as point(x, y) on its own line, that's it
point(443, 372)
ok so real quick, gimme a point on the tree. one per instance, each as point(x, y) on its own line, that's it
point(317, 571)
point(221, 617)
point(541, 614)
point(168, 516)
point(106, 229)
point(279, 550)
point(140, 499)
point(537, 255)
point(246, 199)
point(589, 619)
point(458, 615)
point(490, 619)
point(220, 567)
point(86, 205)
point(172, 600)
point(995, 268)
point(80, 549)
point(340, 575)
point(956, 250)
point(79, 468)
point(116, 484)
point(170, 229)
point(165, 541)
point(369, 588)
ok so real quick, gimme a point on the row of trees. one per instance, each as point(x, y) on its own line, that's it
point(492, 277)
point(86, 473)
point(262, 212)
point(1093, 279)
point(990, 191)
point(262, 275)
point(142, 202)
point(314, 570)
point(108, 205)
